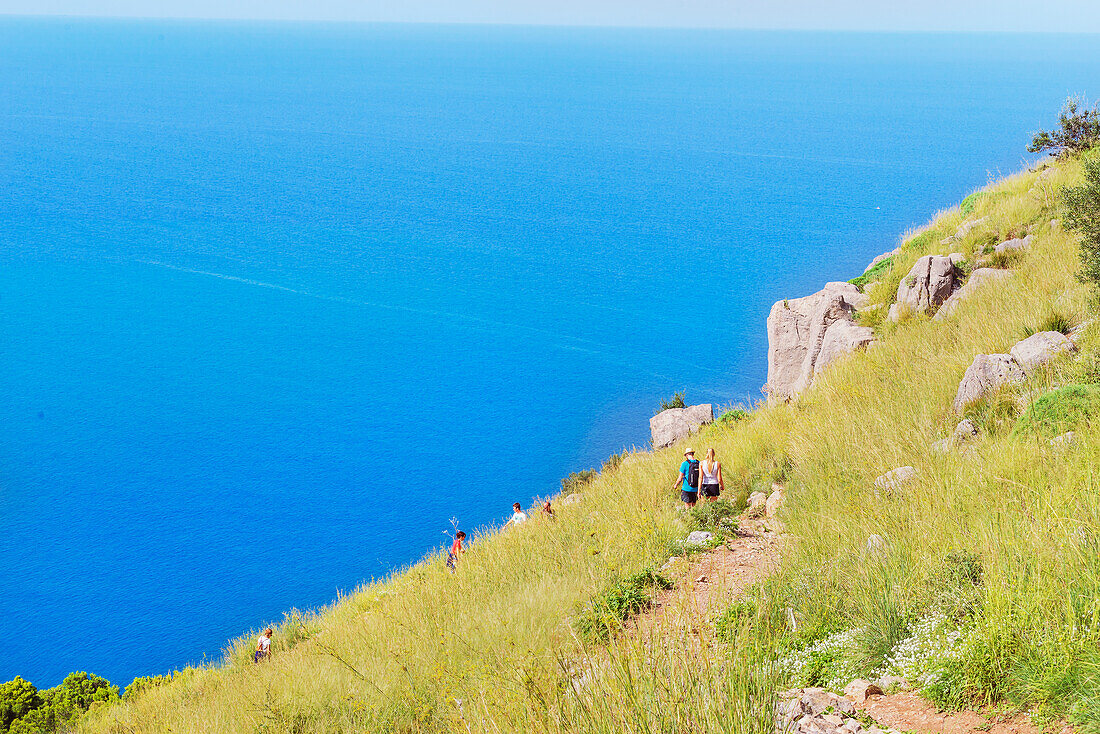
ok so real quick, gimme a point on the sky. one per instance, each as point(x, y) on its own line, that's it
point(866, 15)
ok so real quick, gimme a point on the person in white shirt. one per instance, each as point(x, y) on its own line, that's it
point(518, 515)
point(263, 646)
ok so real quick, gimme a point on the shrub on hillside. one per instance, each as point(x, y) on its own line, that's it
point(876, 273)
point(1052, 320)
point(54, 709)
point(1082, 213)
point(715, 516)
point(144, 683)
point(605, 614)
point(1059, 411)
point(734, 415)
point(577, 479)
point(1078, 130)
point(967, 205)
point(676, 401)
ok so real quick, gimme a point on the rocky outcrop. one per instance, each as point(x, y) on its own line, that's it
point(985, 375)
point(775, 502)
point(1038, 349)
point(977, 279)
point(806, 334)
point(880, 258)
point(818, 711)
point(669, 426)
point(1018, 243)
point(929, 283)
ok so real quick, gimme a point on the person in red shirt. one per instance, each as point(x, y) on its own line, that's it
point(456, 550)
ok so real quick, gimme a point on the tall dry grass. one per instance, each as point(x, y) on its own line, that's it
point(491, 648)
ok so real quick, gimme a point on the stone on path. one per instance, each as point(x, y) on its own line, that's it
point(859, 689)
point(774, 502)
point(698, 537)
point(669, 426)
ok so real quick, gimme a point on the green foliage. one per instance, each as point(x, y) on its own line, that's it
point(1052, 320)
point(719, 515)
point(676, 401)
point(967, 205)
point(1078, 130)
point(1060, 410)
point(613, 462)
point(54, 709)
point(734, 415)
point(144, 683)
point(876, 273)
point(922, 240)
point(605, 614)
point(956, 587)
point(737, 616)
point(18, 697)
point(1082, 214)
point(578, 479)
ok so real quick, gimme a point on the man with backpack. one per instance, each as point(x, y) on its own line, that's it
point(688, 481)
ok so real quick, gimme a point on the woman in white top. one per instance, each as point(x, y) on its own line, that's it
point(710, 477)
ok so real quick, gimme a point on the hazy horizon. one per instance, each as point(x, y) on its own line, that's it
point(1058, 16)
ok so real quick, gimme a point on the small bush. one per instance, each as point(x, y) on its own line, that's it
point(578, 479)
point(1059, 411)
point(144, 683)
point(1078, 130)
point(876, 273)
point(922, 240)
point(613, 462)
point(676, 401)
point(604, 615)
point(967, 205)
point(713, 515)
point(1051, 321)
point(734, 415)
point(1082, 214)
point(956, 586)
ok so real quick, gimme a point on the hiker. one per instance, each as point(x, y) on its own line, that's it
point(548, 509)
point(518, 516)
point(263, 645)
point(713, 484)
point(456, 550)
point(688, 481)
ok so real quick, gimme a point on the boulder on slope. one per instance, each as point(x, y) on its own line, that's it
point(669, 426)
point(806, 334)
point(929, 283)
point(1038, 349)
point(1017, 243)
point(985, 375)
point(977, 279)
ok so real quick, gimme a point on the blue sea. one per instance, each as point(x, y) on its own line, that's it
point(279, 301)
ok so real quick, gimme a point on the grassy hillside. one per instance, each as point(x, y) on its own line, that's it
point(984, 588)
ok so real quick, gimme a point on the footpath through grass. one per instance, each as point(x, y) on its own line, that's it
point(983, 586)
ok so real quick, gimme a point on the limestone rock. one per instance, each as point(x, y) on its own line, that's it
point(895, 478)
point(669, 426)
point(876, 544)
point(805, 334)
point(985, 375)
point(571, 499)
point(859, 689)
point(1064, 441)
point(890, 682)
point(977, 279)
point(966, 227)
point(882, 257)
point(1038, 349)
point(775, 501)
point(1017, 243)
point(698, 537)
point(929, 283)
point(758, 504)
point(964, 431)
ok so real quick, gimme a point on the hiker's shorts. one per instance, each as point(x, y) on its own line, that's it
point(711, 490)
point(688, 496)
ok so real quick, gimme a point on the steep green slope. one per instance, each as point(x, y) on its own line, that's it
point(982, 584)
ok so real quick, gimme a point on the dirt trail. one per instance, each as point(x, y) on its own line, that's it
point(705, 585)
